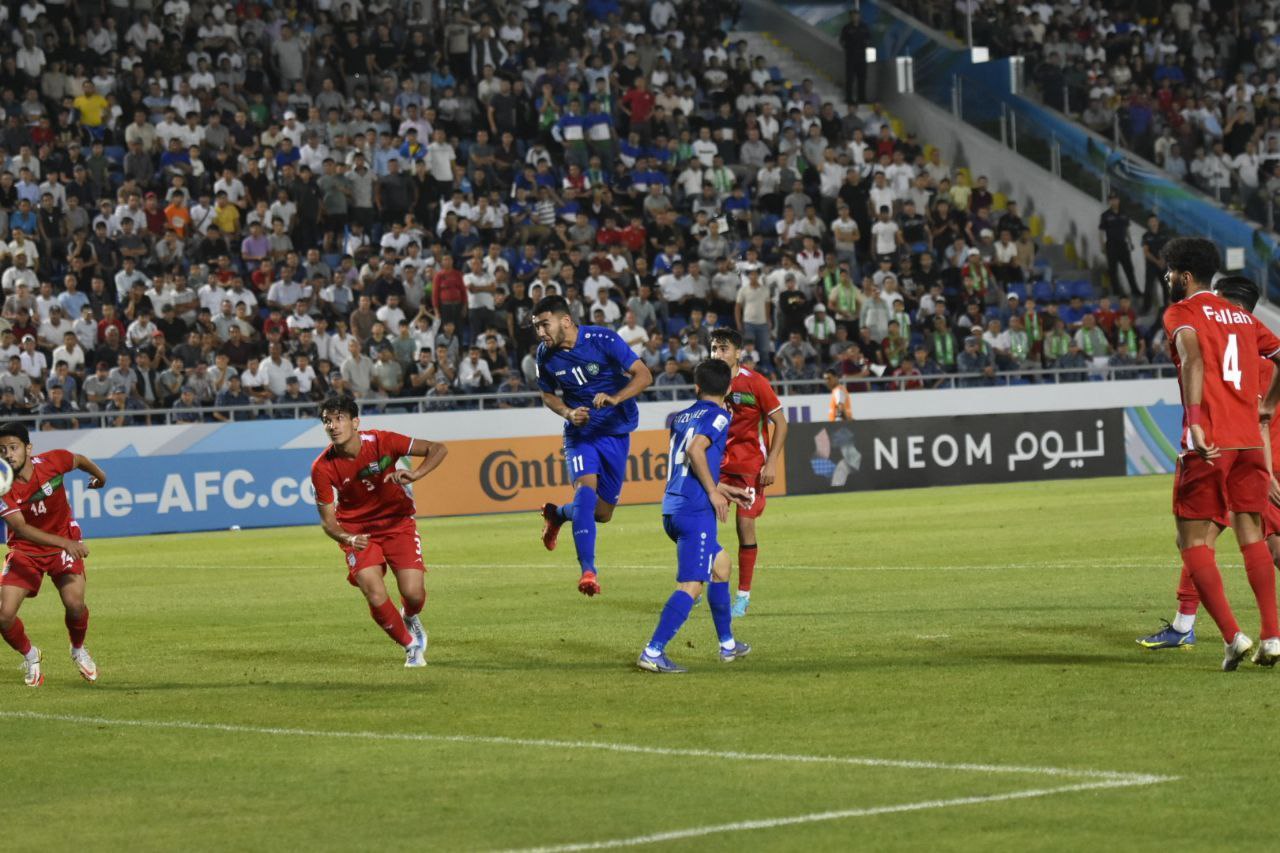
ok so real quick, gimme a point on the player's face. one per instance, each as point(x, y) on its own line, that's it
point(726, 352)
point(551, 328)
point(1177, 283)
point(339, 426)
point(14, 452)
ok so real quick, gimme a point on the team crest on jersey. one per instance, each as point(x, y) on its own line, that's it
point(593, 368)
point(351, 559)
point(373, 469)
point(742, 398)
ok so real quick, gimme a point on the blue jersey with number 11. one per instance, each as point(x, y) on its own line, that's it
point(684, 493)
point(599, 363)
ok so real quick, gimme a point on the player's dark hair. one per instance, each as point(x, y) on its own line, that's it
point(1238, 289)
point(13, 429)
point(712, 377)
point(1195, 255)
point(340, 404)
point(726, 336)
point(554, 303)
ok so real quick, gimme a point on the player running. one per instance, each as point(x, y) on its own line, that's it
point(599, 377)
point(44, 539)
point(1180, 633)
point(752, 460)
point(373, 519)
point(695, 500)
point(1223, 469)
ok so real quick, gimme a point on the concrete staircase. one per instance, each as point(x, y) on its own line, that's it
point(793, 68)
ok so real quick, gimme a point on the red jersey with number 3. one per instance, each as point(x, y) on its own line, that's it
point(42, 500)
point(365, 499)
point(752, 401)
point(1231, 341)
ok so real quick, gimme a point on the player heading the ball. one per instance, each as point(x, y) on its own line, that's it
point(366, 507)
point(598, 378)
point(43, 539)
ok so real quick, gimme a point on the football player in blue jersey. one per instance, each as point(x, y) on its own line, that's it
point(695, 501)
point(598, 377)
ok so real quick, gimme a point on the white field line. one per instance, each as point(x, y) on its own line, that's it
point(606, 567)
point(818, 817)
point(1109, 777)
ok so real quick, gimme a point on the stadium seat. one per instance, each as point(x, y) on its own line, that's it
point(114, 153)
point(1062, 290)
point(992, 312)
point(1035, 224)
point(1083, 289)
point(333, 260)
point(768, 225)
point(899, 132)
point(999, 201)
point(1043, 291)
point(776, 73)
point(918, 248)
point(1017, 289)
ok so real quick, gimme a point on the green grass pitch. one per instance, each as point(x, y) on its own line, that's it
point(962, 660)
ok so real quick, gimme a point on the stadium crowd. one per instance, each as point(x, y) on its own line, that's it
point(208, 207)
point(1191, 85)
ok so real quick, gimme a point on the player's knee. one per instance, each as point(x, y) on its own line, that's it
point(604, 513)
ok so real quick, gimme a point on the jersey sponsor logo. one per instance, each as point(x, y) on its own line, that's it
point(720, 422)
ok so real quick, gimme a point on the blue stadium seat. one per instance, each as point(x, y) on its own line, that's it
point(917, 339)
point(1043, 291)
point(114, 153)
point(993, 312)
point(1069, 315)
point(333, 259)
point(1062, 290)
point(1083, 289)
point(919, 248)
point(776, 73)
point(768, 224)
point(675, 324)
point(1019, 289)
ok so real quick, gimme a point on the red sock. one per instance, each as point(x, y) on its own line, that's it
point(746, 566)
point(1262, 577)
point(410, 609)
point(1188, 598)
point(1203, 567)
point(76, 628)
point(388, 619)
point(16, 637)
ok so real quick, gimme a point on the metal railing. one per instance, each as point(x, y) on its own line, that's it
point(496, 401)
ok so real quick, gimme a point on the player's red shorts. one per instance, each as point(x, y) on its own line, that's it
point(1234, 482)
point(28, 570)
point(397, 546)
point(747, 481)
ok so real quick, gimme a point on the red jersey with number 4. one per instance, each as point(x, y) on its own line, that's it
point(365, 499)
point(1231, 341)
point(752, 401)
point(42, 500)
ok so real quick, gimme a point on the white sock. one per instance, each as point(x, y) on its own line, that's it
point(33, 655)
point(1184, 622)
point(744, 593)
point(729, 645)
point(650, 651)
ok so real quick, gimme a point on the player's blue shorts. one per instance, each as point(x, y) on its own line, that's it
point(696, 544)
point(605, 456)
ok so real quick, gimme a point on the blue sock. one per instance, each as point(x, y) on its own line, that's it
point(672, 619)
point(582, 514)
point(721, 610)
point(565, 511)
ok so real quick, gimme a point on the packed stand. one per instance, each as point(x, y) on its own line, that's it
point(1192, 86)
point(224, 212)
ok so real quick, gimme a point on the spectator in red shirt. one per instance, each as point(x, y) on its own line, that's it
point(637, 103)
point(448, 293)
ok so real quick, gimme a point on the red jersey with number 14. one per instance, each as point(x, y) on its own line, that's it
point(752, 401)
point(42, 500)
point(1231, 341)
point(365, 499)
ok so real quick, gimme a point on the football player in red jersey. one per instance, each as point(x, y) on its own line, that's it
point(1180, 633)
point(366, 508)
point(751, 460)
point(44, 539)
point(1223, 470)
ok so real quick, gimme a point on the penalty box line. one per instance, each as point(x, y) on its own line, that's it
point(1103, 778)
point(843, 814)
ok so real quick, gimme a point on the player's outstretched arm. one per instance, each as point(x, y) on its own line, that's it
point(1193, 390)
point(777, 440)
point(332, 529)
point(697, 453)
point(18, 524)
point(432, 454)
point(641, 378)
point(97, 477)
